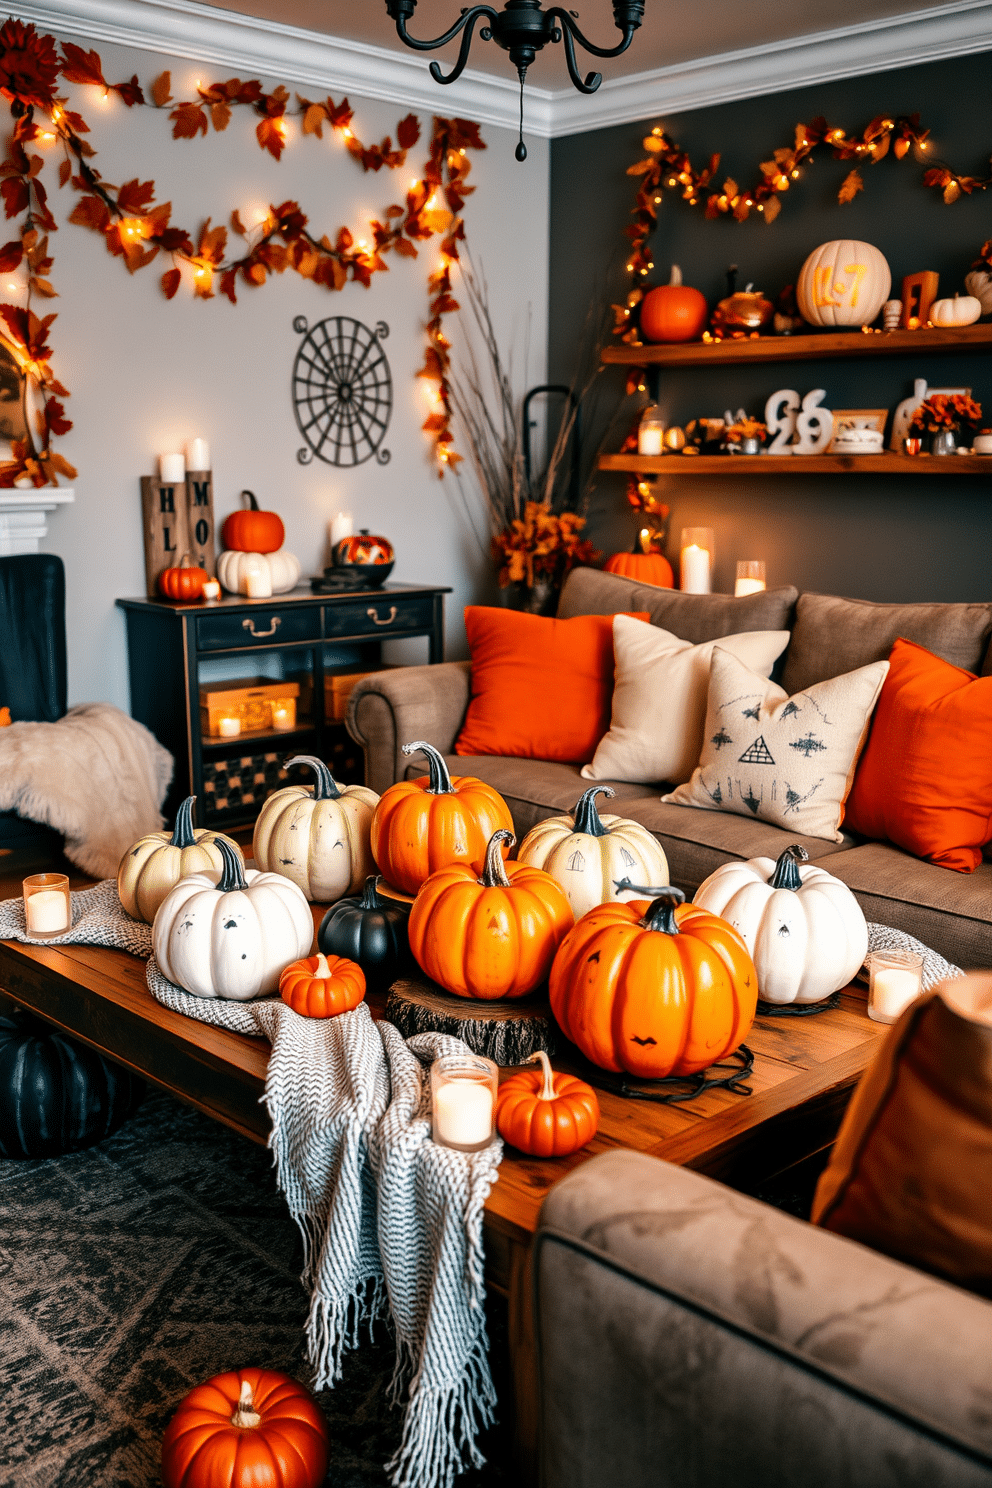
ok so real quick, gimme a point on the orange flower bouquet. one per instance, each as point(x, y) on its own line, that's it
point(541, 546)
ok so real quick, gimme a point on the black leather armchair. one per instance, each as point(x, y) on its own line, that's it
point(33, 672)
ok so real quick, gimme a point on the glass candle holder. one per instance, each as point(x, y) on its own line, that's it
point(750, 576)
point(211, 590)
point(463, 1101)
point(47, 905)
point(696, 565)
point(229, 727)
point(651, 431)
point(895, 980)
point(284, 715)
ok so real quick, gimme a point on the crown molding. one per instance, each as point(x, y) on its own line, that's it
point(204, 33)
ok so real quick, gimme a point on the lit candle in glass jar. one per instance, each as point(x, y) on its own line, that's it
point(47, 906)
point(229, 728)
point(750, 577)
point(895, 980)
point(697, 559)
point(211, 589)
point(463, 1090)
point(258, 577)
point(283, 717)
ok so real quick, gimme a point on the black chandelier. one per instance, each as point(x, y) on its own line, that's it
point(521, 28)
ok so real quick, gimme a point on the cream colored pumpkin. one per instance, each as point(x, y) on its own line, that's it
point(592, 856)
point(804, 928)
point(963, 310)
point(979, 284)
point(156, 863)
point(231, 934)
point(232, 568)
point(317, 836)
point(843, 284)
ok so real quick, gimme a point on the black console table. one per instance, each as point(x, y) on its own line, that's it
point(300, 636)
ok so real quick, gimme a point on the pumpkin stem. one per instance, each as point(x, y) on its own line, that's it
point(252, 503)
point(322, 971)
point(370, 898)
point(547, 1090)
point(494, 875)
point(245, 1416)
point(661, 911)
point(586, 817)
point(675, 278)
point(787, 875)
point(326, 788)
point(233, 876)
point(182, 832)
point(185, 561)
point(440, 781)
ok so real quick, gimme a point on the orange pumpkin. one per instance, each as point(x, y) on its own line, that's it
point(252, 530)
point(437, 820)
point(544, 1114)
point(654, 987)
point(673, 311)
point(646, 568)
point(489, 937)
point(183, 583)
point(251, 1428)
point(322, 986)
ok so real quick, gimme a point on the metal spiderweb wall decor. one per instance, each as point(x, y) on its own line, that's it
point(342, 391)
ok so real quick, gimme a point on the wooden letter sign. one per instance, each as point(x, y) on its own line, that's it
point(200, 519)
point(164, 527)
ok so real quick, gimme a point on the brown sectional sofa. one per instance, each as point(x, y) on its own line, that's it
point(952, 912)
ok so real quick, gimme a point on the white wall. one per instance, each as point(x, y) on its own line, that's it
point(146, 373)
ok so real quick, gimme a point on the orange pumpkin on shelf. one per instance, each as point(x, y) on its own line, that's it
point(673, 311)
point(492, 936)
point(654, 987)
point(546, 1114)
point(184, 582)
point(433, 822)
point(252, 530)
point(643, 564)
point(251, 1428)
point(322, 986)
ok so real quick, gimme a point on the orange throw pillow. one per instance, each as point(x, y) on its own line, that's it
point(925, 778)
point(541, 688)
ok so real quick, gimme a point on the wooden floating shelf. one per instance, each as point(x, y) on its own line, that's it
point(830, 346)
point(884, 464)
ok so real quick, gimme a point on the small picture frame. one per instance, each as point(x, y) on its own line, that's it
point(858, 418)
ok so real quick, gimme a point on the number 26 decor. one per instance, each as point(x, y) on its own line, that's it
point(806, 423)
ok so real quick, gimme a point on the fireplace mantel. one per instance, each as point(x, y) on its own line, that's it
point(24, 517)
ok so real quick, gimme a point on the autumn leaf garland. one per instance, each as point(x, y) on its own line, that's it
point(137, 229)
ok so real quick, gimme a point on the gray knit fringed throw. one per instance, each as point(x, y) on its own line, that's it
point(390, 1221)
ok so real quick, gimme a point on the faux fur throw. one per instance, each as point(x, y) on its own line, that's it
point(96, 776)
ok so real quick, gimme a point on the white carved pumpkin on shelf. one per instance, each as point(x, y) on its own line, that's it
point(233, 568)
point(231, 934)
point(843, 283)
point(318, 836)
point(804, 928)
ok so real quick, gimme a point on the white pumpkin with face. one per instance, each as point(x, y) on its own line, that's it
point(231, 934)
point(804, 928)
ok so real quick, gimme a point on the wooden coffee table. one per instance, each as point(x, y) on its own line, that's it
point(804, 1071)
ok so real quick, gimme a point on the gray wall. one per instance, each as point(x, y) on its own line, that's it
point(887, 538)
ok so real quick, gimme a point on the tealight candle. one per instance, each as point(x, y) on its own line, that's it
point(172, 468)
point(229, 728)
point(211, 589)
point(284, 716)
point(895, 980)
point(47, 906)
point(197, 455)
point(697, 560)
point(340, 527)
point(750, 576)
point(463, 1098)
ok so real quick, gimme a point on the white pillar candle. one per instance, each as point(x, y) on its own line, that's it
point(463, 1112)
point(197, 455)
point(341, 526)
point(283, 717)
point(172, 468)
point(258, 580)
point(229, 728)
point(650, 438)
point(47, 912)
point(695, 574)
point(893, 990)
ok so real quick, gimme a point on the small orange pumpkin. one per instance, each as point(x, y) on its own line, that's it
point(251, 1428)
point(489, 937)
point(644, 566)
point(184, 582)
point(437, 820)
point(252, 530)
point(655, 987)
point(546, 1114)
point(322, 986)
point(673, 311)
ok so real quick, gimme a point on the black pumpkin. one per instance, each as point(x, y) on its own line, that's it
point(372, 931)
point(57, 1095)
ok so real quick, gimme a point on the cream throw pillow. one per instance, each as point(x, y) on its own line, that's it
point(789, 761)
point(659, 701)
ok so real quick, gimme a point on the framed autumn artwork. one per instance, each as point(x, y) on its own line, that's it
point(12, 425)
point(858, 418)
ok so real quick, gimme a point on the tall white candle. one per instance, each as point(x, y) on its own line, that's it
point(463, 1112)
point(46, 912)
point(695, 574)
point(197, 455)
point(172, 468)
point(341, 526)
point(258, 580)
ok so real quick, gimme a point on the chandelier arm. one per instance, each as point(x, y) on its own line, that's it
point(628, 25)
point(467, 19)
point(592, 79)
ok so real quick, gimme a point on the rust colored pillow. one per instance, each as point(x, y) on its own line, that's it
point(541, 688)
point(925, 779)
point(909, 1172)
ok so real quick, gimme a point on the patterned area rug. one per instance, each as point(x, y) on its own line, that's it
point(130, 1272)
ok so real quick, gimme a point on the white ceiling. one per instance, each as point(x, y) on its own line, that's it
point(673, 32)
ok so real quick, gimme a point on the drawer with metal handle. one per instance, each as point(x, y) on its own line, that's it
point(379, 614)
point(263, 627)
